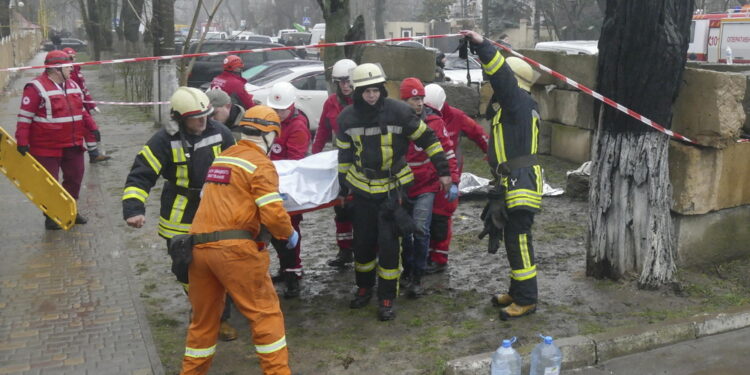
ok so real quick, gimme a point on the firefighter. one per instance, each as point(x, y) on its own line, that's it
point(231, 81)
point(327, 129)
point(241, 195)
point(51, 126)
point(456, 124)
point(183, 159)
point(373, 138)
point(292, 144)
point(94, 136)
point(422, 193)
point(517, 194)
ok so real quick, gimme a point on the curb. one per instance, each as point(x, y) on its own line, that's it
point(581, 351)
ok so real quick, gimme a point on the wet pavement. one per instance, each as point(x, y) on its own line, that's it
point(69, 303)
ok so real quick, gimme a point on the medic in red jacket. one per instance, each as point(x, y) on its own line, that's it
point(231, 81)
point(328, 127)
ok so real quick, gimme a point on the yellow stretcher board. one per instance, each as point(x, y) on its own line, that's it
point(36, 183)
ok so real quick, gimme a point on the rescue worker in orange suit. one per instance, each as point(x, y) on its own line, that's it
point(373, 138)
point(51, 126)
point(241, 195)
point(231, 81)
point(422, 194)
point(182, 156)
point(94, 136)
point(292, 144)
point(327, 129)
point(517, 194)
point(456, 124)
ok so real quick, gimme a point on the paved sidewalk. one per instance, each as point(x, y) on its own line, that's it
point(68, 301)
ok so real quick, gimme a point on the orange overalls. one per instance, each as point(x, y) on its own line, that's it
point(241, 192)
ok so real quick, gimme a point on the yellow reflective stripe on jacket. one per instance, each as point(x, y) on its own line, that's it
point(178, 154)
point(178, 209)
point(268, 198)
point(270, 348)
point(523, 274)
point(357, 149)
point(498, 140)
point(534, 134)
point(238, 162)
point(420, 130)
point(386, 150)
point(364, 267)
point(181, 174)
point(381, 185)
point(152, 160)
point(433, 149)
point(134, 192)
point(200, 353)
point(168, 233)
point(344, 167)
point(523, 241)
point(217, 149)
point(389, 273)
point(494, 65)
point(343, 145)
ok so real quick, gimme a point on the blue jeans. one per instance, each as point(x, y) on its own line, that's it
point(416, 246)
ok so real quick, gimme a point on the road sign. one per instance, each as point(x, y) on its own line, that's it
point(306, 21)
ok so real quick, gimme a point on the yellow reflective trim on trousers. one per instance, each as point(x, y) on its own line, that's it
point(344, 167)
point(420, 130)
point(494, 65)
point(178, 209)
point(135, 192)
point(364, 267)
point(268, 198)
point(182, 176)
point(524, 202)
point(343, 145)
point(151, 159)
point(199, 353)
point(389, 274)
point(217, 150)
point(386, 150)
point(433, 149)
point(270, 348)
point(523, 274)
point(361, 182)
point(238, 162)
point(498, 140)
point(523, 241)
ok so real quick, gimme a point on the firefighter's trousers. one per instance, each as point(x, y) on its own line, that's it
point(376, 247)
point(239, 267)
point(520, 251)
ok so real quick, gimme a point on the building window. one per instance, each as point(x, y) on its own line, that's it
point(407, 33)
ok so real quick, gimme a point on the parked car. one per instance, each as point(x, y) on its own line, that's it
point(317, 33)
point(208, 67)
point(256, 38)
point(269, 67)
point(216, 35)
point(455, 69)
point(570, 47)
point(76, 44)
point(310, 81)
point(297, 38)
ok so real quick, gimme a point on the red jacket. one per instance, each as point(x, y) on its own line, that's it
point(77, 76)
point(328, 127)
point(234, 85)
point(425, 174)
point(50, 119)
point(458, 122)
point(295, 138)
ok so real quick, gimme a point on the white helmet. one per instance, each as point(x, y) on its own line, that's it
point(281, 96)
point(367, 74)
point(342, 68)
point(434, 96)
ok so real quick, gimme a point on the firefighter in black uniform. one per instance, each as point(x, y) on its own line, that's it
point(182, 156)
point(517, 194)
point(372, 139)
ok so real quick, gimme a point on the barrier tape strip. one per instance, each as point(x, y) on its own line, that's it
point(219, 53)
point(600, 97)
point(125, 103)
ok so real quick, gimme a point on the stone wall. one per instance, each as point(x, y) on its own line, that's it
point(402, 62)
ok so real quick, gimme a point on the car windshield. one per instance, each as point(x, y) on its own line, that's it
point(262, 81)
point(454, 62)
point(252, 72)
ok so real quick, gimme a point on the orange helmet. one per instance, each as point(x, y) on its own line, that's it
point(262, 118)
point(233, 62)
point(56, 57)
point(70, 51)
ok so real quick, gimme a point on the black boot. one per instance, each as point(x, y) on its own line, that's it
point(433, 268)
point(343, 258)
point(80, 219)
point(50, 224)
point(385, 310)
point(361, 298)
point(279, 276)
point(292, 285)
point(415, 290)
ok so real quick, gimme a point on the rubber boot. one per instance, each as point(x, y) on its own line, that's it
point(50, 224)
point(81, 220)
point(278, 277)
point(361, 298)
point(415, 290)
point(227, 332)
point(513, 311)
point(292, 285)
point(343, 258)
point(385, 310)
point(501, 300)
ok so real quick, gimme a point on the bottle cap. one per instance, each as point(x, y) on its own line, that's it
point(508, 343)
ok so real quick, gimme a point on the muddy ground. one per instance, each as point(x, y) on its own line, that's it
point(454, 319)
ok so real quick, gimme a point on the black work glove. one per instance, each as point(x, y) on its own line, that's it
point(494, 215)
point(97, 135)
point(22, 149)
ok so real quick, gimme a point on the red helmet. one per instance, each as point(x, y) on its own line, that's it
point(56, 57)
point(70, 51)
point(411, 87)
point(233, 62)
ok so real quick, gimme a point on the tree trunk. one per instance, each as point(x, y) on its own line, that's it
point(379, 21)
point(336, 15)
point(4, 18)
point(162, 26)
point(130, 19)
point(486, 17)
point(186, 71)
point(105, 17)
point(537, 21)
point(642, 54)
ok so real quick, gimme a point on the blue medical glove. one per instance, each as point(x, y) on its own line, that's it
point(452, 193)
point(292, 241)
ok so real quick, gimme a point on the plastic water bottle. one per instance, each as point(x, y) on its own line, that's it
point(506, 360)
point(729, 56)
point(546, 358)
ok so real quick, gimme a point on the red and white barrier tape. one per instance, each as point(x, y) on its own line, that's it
point(125, 103)
point(599, 96)
point(219, 53)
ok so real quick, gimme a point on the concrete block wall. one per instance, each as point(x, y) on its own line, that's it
point(400, 62)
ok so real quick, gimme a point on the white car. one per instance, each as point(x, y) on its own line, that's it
point(570, 47)
point(310, 81)
point(455, 69)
